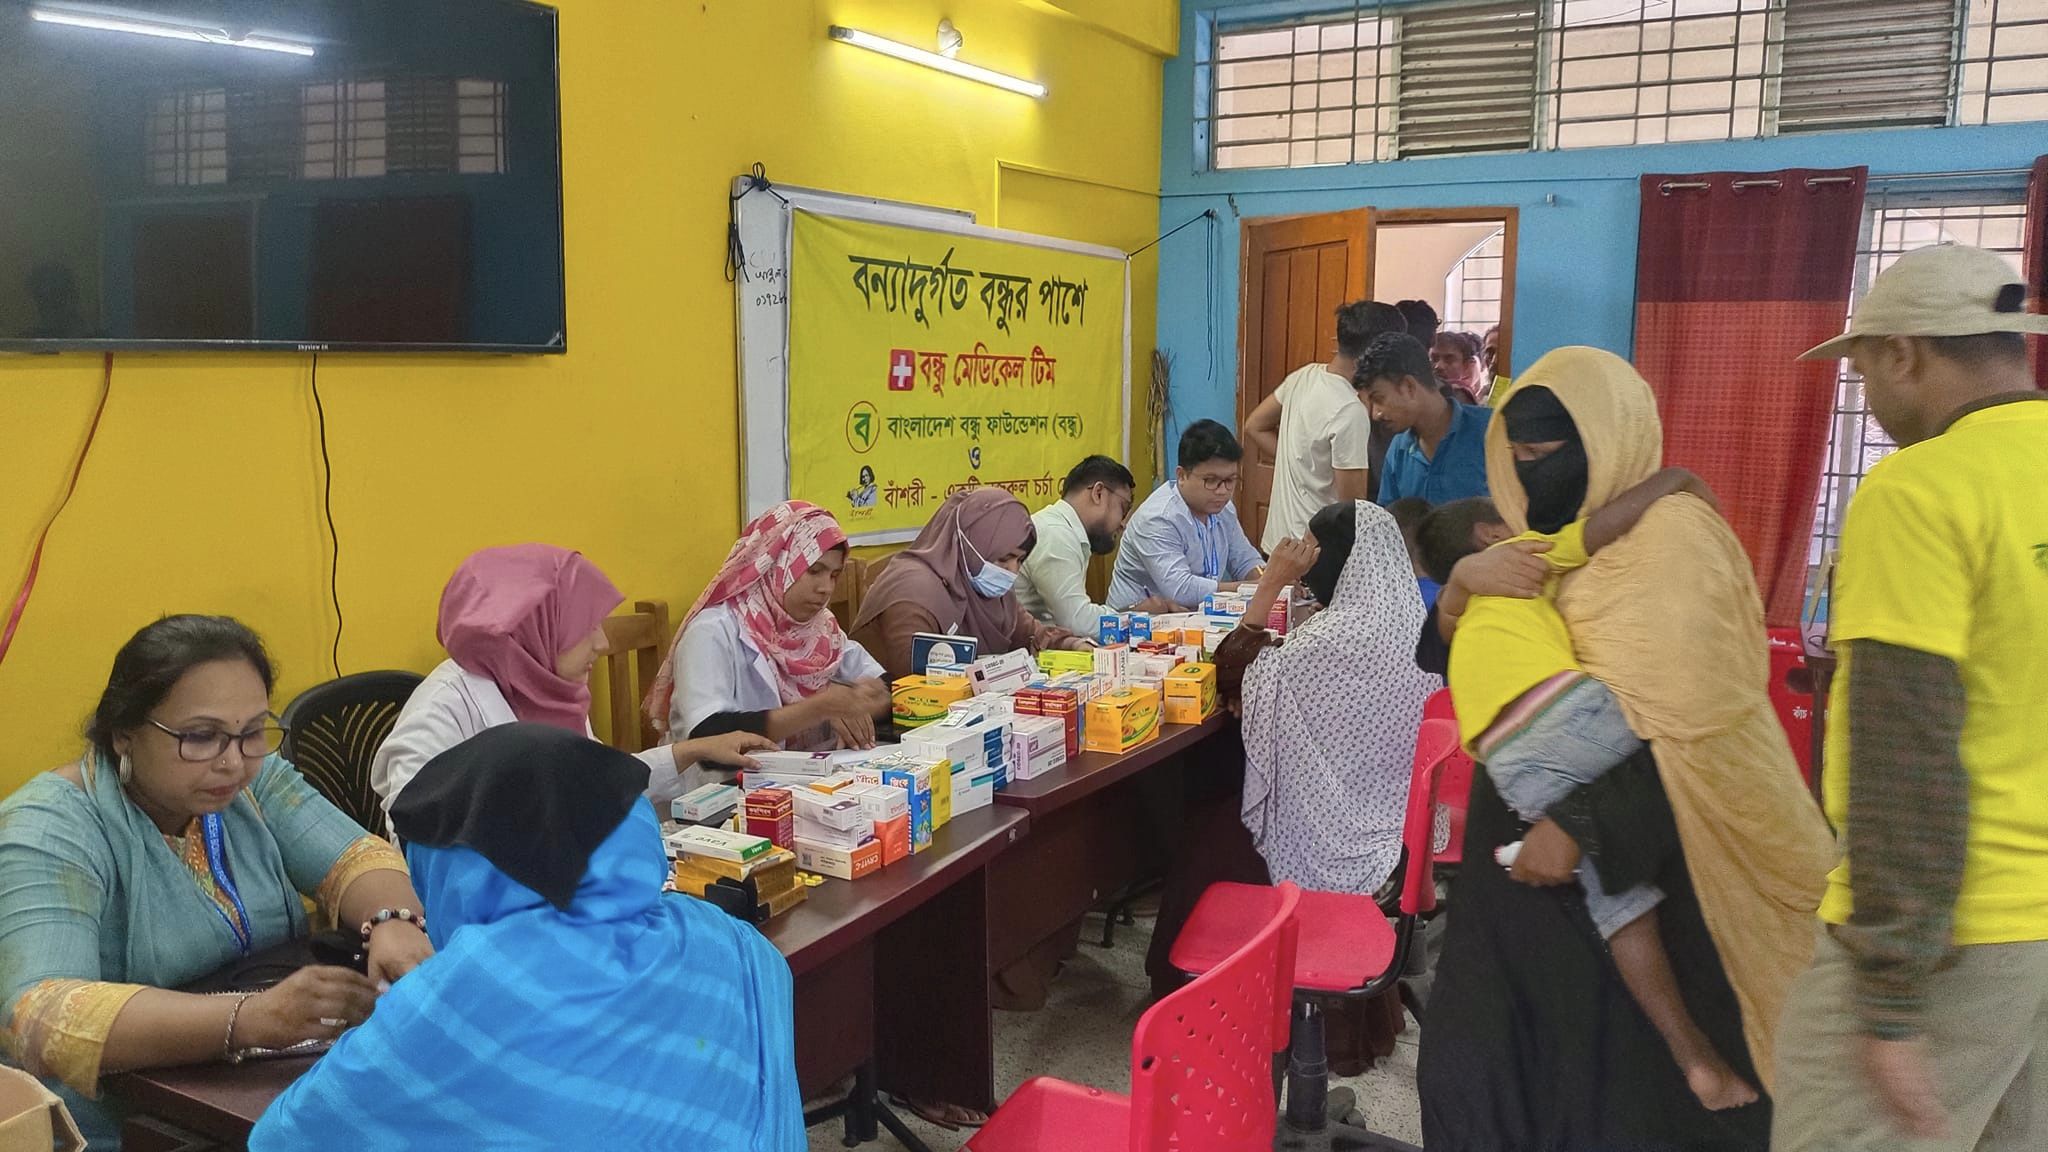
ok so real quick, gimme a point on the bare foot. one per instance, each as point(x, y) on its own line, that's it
point(1717, 1085)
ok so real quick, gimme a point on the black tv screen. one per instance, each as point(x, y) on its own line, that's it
point(305, 174)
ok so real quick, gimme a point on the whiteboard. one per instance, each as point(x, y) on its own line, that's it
point(761, 320)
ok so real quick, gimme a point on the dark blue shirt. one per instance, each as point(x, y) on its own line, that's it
point(1456, 471)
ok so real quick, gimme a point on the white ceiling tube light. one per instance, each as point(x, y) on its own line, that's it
point(194, 35)
point(975, 72)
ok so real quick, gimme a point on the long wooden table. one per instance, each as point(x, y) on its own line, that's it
point(925, 1025)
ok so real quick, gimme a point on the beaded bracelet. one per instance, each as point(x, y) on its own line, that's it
point(228, 1051)
point(385, 915)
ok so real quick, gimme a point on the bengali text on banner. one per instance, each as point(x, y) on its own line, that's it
point(922, 363)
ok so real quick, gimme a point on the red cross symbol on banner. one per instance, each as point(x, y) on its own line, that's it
point(902, 370)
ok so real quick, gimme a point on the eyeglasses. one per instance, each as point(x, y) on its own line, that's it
point(203, 744)
point(1218, 483)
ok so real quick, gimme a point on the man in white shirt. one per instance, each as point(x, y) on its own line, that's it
point(1184, 542)
point(1314, 429)
point(1084, 523)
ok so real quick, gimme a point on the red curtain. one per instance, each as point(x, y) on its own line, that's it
point(1736, 275)
point(2036, 258)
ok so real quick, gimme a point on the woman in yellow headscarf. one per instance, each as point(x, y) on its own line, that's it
point(1532, 1043)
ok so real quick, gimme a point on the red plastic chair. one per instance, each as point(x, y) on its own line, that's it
point(1346, 949)
point(1201, 1064)
point(1438, 706)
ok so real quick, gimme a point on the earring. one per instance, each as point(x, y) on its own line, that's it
point(127, 768)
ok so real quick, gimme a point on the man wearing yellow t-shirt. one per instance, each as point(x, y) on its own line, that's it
point(1923, 1021)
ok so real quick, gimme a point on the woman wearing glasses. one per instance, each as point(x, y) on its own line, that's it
point(179, 843)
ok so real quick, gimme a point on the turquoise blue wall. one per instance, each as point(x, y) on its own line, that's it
point(1576, 263)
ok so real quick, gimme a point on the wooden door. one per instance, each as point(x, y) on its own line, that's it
point(1298, 270)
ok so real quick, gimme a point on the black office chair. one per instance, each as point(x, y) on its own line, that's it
point(334, 729)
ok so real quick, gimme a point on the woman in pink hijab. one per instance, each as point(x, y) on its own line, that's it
point(523, 626)
point(760, 652)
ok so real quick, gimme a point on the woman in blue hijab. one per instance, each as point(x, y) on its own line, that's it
point(571, 1003)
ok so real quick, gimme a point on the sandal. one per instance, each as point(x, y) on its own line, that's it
point(939, 1114)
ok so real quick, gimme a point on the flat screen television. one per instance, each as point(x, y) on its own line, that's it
point(293, 174)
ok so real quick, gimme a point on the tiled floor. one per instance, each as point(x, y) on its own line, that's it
point(1084, 1035)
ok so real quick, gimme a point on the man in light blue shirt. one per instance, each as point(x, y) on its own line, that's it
point(1184, 542)
point(1440, 454)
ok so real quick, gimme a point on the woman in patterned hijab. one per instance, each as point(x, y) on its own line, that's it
point(1330, 716)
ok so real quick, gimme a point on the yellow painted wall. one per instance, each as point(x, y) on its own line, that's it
point(202, 493)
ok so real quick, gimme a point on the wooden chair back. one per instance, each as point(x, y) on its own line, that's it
point(639, 643)
point(846, 598)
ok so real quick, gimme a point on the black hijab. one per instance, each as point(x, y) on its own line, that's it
point(533, 799)
point(1555, 484)
point(1335, 530)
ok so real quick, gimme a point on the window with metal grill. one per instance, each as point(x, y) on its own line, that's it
point(345, 129)
point(186, 138)
point(1893, 225)
point(1447, 77)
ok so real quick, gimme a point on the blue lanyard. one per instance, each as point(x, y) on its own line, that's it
point(1212, 552)
point(214, 829)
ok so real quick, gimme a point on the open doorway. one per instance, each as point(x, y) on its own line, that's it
point(1298, 269)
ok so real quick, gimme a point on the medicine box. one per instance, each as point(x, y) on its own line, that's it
point(1190, 693)
point(894, 837)
point(914, 777)
point(718, 843)
point(1112, 661)
point(918, 700)
point(975, 792)
point(1124, 719)
point(879, 802)
point(938, 741)
point(929, 648)
point(848, 838)
point(832, 810)
point(704, 805)
point(1054, 661)
point(1038, 744)
point(1003, 672)
point(781, 764)
point(842, 863)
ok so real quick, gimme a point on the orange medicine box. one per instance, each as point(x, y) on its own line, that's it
point(1124, 719)
point(894, 837)
point(1190, 693)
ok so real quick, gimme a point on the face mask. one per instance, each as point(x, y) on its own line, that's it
point(991, 581)
point(1555, 485)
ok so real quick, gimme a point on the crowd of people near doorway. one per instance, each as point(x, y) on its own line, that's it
point(1656, 940)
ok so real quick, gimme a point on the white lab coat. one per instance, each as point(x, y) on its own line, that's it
point(718, 669)
point(451, 705)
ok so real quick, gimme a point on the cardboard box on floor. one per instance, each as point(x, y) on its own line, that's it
point(32, 1119)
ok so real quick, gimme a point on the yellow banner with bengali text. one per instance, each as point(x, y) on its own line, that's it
point(923, 363)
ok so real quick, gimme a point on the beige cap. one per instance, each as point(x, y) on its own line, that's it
point(1945, 290)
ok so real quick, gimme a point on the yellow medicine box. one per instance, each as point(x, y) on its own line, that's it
point(1190, 693)
point(918, 700)
point(1124, 719)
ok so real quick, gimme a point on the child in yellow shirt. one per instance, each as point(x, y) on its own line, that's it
point(1543, 728)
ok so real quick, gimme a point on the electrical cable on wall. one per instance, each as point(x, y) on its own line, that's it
point(736, 252)
point(1161, 403)
point(327, 505)
point(35, 559)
